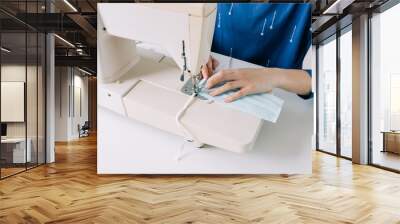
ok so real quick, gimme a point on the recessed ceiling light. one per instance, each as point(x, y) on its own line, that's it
point(5, 50)
point(64, 40)
point(84, 71)
point(338, 6)
point(70, 5)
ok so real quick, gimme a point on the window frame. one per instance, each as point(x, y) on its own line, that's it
point(334, 37)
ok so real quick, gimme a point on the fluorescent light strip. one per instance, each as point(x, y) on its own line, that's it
point(86, 72)
point(64, 40)
point(338, 6)
point(5, 50)
point(326, 11)
point(70, 5)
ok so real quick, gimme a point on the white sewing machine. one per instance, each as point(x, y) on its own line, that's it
point(137, 84)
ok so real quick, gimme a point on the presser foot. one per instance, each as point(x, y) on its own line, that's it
point(190, 88)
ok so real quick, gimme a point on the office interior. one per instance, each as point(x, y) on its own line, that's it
point(48, 81)
point(335, 74)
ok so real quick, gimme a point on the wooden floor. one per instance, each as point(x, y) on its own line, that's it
point(70, 191)
point(387, 159)
point(5, 172)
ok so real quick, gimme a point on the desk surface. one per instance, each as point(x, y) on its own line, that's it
point(13, 140)
point(126, 146)
point(391, 132)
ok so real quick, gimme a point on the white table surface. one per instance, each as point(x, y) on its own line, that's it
point(126, 146)
point(13, 140)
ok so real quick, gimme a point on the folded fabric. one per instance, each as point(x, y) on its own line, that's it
point(265, 106)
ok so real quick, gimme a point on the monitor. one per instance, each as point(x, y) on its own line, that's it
point(3, 129)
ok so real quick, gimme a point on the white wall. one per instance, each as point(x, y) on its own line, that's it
point(80, 109)
point(62, 81)
point(71, 93)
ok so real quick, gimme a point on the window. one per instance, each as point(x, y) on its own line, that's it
point(346, 93)
point(385, 89)
point(327, 96)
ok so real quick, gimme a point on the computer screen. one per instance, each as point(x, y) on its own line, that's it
point(3, 129)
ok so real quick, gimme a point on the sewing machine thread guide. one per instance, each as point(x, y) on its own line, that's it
point(182, 78)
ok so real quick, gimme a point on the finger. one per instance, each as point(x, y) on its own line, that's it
point(226, 87)
point(242, 92)
point(210, 71)
point(204, 72)
point(215, 63)
point(223, 75)
point(210, 67)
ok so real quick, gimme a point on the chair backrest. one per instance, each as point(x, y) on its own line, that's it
point(86, 125)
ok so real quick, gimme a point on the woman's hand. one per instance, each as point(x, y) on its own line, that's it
point(208, 69)
point(255, 80)
point(247, 81)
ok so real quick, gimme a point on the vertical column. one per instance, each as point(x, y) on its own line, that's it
point(360, 90)
point(338, 91)
point(317, 95)
point(50, 92)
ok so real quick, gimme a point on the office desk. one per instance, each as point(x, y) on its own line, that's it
point(126, 146)
point(13, 150)
point(391, 141)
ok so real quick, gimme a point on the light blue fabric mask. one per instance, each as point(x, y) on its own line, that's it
point(265, 106)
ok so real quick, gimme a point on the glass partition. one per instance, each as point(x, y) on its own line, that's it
point(32, 96)
point(22, 77)
point(13, 104)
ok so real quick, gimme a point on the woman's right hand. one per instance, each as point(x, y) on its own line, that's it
point(208, 69)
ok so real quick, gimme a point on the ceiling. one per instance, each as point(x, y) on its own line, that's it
point(75, 21)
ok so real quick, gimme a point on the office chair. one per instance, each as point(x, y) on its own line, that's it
point(84, 130)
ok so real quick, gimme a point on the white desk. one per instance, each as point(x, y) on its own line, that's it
point(19, 155)
point(126, 146)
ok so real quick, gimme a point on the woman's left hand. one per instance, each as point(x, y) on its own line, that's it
point(247, 80)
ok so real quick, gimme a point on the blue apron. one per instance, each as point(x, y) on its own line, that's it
point(267, 34)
